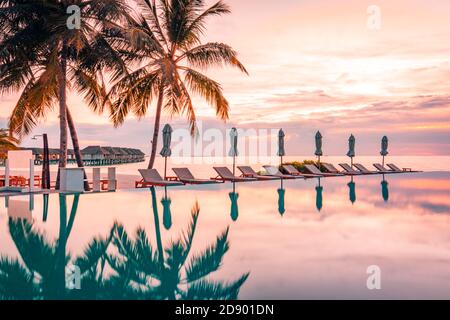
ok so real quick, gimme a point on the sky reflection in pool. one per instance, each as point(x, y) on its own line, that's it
point(317, 242)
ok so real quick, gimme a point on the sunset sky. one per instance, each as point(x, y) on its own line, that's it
point(316, 65)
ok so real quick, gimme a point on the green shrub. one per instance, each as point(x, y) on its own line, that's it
point(300, 166)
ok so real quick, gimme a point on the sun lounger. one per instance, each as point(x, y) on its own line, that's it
point(274, 171)
point(151, 177)
point(349, 170)
point(185, 175)
point(364, 170)
point(291, 170)
point(314, 170)
point(397, 169)
point(382, 169)
point(330, 168)
point(224, 174)
point(248, 172)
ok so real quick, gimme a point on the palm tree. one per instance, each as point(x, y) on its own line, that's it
point(167, 39)
point(42, 57)
point(7, 141)
point(173, 272)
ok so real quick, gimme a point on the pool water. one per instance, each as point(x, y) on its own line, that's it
point(303, 239)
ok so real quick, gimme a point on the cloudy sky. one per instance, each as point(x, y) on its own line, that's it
point(318, 65)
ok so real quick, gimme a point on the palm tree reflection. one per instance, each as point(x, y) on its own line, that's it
point(116, 266)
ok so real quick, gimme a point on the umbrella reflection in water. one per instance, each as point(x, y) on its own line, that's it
point(385, 190)
point(319, 196)
point(234, 196)
point(352, 191)
point(281, 196)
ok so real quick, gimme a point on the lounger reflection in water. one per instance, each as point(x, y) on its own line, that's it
point(151, 177)
point(274, 171)
point(224, 174)
point(291, 170)
point(248, 172)
point(314, 170)
point(186, 176)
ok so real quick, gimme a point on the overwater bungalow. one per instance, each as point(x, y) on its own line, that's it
point(98, 155)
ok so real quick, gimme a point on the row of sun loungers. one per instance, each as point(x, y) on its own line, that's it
point(151, 177)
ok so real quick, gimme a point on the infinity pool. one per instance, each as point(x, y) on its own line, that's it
point(300, 240)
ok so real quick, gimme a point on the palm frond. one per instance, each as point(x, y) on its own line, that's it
point(210, 290)
point(210, 90)
point(16, 283)
point(208, 261)
point(133, 93)
point(38, 254)
point(198, 26)
point(213, 54)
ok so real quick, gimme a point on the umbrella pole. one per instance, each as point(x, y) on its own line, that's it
point(165, 168)
point(383, 161)
point(351, 161)
point(234, 165)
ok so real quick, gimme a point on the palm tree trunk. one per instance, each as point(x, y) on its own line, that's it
point(76, 146)
point(156, 129)
point(62, 77)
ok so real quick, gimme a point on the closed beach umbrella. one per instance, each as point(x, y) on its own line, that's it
point(166, 151)
point(384, 147)
point(281, 194)
point(351, 148)
point(281, 151)
point(352, 191)
point(234, 150)
point(385, 190)
point(318, 152)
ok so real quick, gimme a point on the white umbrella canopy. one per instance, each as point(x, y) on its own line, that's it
point(234, 149)
point(384, 147)
point(166, 151)
point(281, 151)
point(351, 148)
point(319, 151)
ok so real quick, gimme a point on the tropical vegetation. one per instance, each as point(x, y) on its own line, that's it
point(167, 38)
point(42, 58)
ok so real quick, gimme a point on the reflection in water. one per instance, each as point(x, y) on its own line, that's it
point(385, 190)
point(281, 197)
point(44, 207)
point(319, 196)
point(116, 266)
point(42, 274)
point(167, 214)
point(234, 196)
point(352, 191)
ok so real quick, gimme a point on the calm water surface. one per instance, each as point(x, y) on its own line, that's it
point(303, 239)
